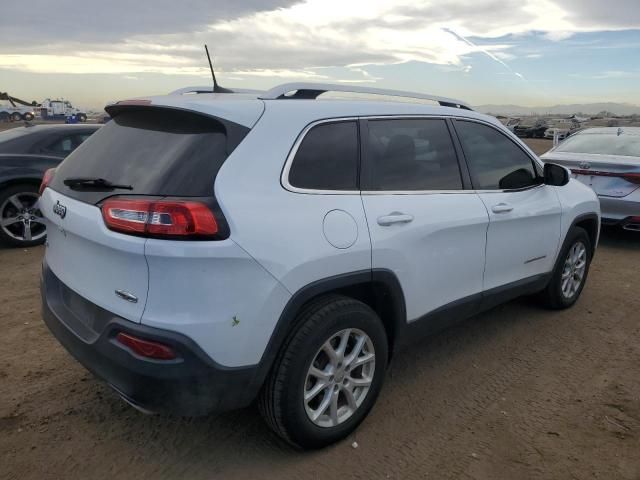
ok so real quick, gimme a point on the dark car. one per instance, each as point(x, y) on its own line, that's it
point(25, 154)
point(531, 130)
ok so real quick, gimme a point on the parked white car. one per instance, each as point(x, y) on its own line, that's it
point(206, 250)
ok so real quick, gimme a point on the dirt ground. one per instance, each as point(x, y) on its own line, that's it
point(516, 393)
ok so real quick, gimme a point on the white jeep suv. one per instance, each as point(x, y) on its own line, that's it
point(206, 250)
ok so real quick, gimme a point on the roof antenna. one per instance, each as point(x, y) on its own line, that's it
point(216, 88)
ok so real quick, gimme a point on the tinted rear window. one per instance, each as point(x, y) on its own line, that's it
point(156, 151)
point(327, 158)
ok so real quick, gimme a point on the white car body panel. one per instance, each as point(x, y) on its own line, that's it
point(521, 243)
point(205, 297)
point(92, 260)
point(438, 257)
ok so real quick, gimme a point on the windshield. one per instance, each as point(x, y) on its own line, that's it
point(602, 144)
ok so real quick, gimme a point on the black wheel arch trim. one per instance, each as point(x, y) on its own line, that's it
point(369, 278)
point(594, 239)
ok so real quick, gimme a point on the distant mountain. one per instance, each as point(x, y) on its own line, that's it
point(585, 108)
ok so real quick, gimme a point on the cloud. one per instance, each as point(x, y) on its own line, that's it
point(280, 38)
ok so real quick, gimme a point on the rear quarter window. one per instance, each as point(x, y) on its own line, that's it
point(327, 158)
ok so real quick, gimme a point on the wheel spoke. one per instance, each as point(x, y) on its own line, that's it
point(311, 394)
point(27, 231)
point(319, 374)
point(355, 352)
point(9, 221)
point(333, 408)
point(351, 399)
point(16, 202)
point(317, 413)
point(360, 382)
point(369, 357)
point(344, 340)
point(331, 353)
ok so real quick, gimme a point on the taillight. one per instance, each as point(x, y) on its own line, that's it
point(632, 177)
point(629, 177)
point(159, 218)
point(46, 180)
point(146, 348)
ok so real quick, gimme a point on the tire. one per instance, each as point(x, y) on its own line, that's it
point(15, 234)
point(16, 117)
point(282, 400)
point(81, 117)
point(554, 296)
point(28, 117)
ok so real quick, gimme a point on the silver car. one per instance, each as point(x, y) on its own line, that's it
point(608, 160)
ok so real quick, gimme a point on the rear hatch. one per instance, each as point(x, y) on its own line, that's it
point(607, 175)
point(145, 153)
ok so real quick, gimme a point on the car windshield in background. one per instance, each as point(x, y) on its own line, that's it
point(602, 144)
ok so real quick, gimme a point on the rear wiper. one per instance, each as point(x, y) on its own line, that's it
point(78, 183)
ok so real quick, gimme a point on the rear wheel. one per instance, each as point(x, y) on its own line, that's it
point(329, 375)
point(570, 273)
point(21, 222)
point(16, 117)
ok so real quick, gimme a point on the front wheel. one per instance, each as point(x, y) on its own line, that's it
point(570, 273)
point(81, 117)
point(329, 375)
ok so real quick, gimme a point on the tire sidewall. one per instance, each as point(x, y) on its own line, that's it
point(304, 432)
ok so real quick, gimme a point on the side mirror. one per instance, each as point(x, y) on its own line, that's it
point(555, 175)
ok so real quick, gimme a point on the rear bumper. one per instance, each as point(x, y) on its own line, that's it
point(616, 210)
point(192, 384)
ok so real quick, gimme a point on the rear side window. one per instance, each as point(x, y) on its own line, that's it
point(156, 151)
point(495, 162)
point(327, 158)
point(411, 154)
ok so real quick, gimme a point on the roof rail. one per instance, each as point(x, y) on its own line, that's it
point(209, 89)
point(313, 90)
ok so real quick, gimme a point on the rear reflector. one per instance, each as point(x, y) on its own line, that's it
point(146, 348)
point(159, 218)
point(46, 179)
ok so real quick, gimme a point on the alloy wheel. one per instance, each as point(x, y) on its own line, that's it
point(573, 271)
point(339, 377)
point(21, 219)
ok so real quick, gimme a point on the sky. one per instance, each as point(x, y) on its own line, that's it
point(524, 52)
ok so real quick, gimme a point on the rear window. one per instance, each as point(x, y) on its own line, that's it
point(156, 151)
point(602, 144)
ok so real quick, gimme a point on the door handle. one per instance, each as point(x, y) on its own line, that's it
point(501, 208)
point(394, 217)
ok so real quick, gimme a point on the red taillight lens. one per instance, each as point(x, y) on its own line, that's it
point(629, 177)
point(171, 218)
point(46, 180)
point(146, 348)
point(632, 177)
